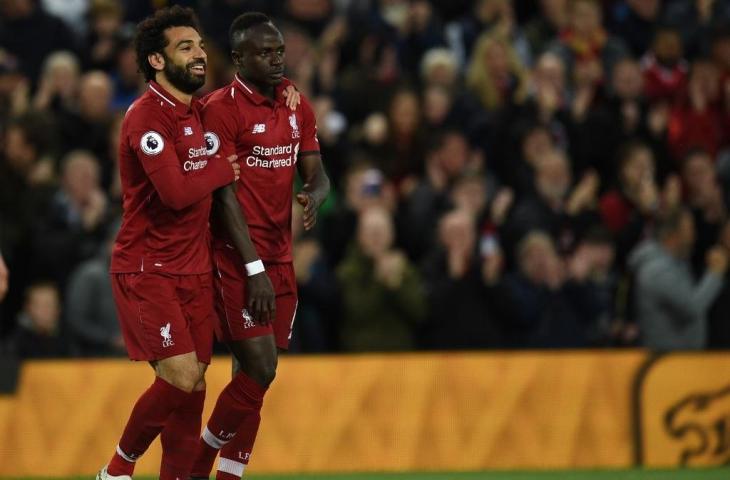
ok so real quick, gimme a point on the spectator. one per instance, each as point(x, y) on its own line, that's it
point(694, 18)
point(462, 288)
point(90, 311)
point(364, 187)
point(440, 67)
point(20, 23)
point(718, 330)
point(555, 208)
point(542, 29)
point(59, 83)
point(695, 120)
point(403, 153)
point(382, 294)
point(420, 32)
point(704, 197)
point(628, 209)
point(27, 172)
point(495, 74)
point(447, 159)
point(634, 21)
point(87, 125)
point(547, 309)
point(664, 67)
point(105, 22)
point(73, 228)
point(671, 306)
point(494, 17)
point(586, 47)
point(318, 308)
point(38, 334)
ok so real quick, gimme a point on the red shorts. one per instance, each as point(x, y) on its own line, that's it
point(234, 323)
point(165, 315)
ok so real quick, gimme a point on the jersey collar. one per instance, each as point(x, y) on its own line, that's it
point(255, 96)
point(166, 97)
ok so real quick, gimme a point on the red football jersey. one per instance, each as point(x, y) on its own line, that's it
point(267, 136)
point(166, 184)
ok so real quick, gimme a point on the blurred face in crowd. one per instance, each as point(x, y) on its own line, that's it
point(61, 74)
point(586, 17)
point(366, 188)
point(44, 308)
point(470, 194)
point(453, 154)
point(628, 82)
point(721, 52)
point(419, 14)
point(439, 67)
point(80, 176)
point(536, 144)
point(457, 232)
point(16, 8)
point(639, 166)
point(646, 9)
point(537, 256)
point(95, 95)
point(19, 153)
point(550, 72)
point(127, 66)
point(496, 60)
point(436, 105)
point(704, 79)
point(699, 176)
point(405, 113)
point(668, 47)
point(553, 177)
point(375, 232)
point(556, 11)
point(106, 18)
point(185, 59)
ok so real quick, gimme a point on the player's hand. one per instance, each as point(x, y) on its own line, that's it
point(310, 205)
point(261, 298)
point(236, 167)
point(293, 99)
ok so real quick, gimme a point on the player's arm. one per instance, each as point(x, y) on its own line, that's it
point(222, 130)
point(261, 301)
point(311, 170)
point(154, 145)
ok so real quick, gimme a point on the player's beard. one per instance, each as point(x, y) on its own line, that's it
point(183, 78)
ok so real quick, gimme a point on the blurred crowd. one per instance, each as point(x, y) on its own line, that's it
point(506, 174)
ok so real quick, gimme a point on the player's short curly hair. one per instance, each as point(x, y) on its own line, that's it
point(242, 23)
point(150, 37)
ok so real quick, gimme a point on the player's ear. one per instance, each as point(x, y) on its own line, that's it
point(236, 58)
point(157, 60)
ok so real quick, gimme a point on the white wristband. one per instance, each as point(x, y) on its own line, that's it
point(253, 268)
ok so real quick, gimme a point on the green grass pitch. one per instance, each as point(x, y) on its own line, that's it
point(714, 474)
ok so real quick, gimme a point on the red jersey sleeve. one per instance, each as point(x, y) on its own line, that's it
point(154, 145)
point(220, 121)
point(151, 138)
point(310, 143)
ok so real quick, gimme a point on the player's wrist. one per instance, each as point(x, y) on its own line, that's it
point(254, 268)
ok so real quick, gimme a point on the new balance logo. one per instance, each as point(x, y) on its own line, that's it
point(188, 131)
point(259, 128)
point(166, 336)
point(247, 319)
